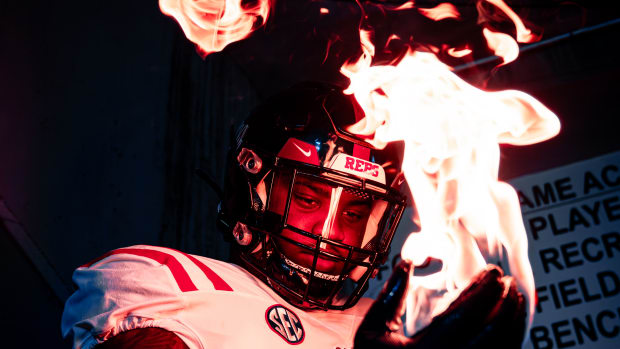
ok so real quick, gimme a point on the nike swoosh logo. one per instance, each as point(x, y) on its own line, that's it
point(305, 152)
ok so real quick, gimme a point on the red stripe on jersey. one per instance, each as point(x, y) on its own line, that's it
point(180, 275)
point(215, 279)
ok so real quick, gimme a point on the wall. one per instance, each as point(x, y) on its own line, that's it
point(83, 97)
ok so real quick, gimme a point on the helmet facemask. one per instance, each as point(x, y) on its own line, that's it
point(323, 233)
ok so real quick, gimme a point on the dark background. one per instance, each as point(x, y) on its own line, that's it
point(106, 110)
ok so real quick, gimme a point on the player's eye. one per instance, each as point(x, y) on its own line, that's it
point(305, 201)
point(353, 216)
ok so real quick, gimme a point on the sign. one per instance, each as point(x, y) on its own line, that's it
point(572, 218)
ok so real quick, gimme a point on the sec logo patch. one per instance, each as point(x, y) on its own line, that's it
point(285, 323)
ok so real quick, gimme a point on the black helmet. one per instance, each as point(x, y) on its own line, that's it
point(311, 208)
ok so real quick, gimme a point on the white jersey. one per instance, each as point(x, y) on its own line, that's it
point(207, 303)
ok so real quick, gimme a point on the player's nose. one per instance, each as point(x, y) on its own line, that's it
point(329, 229)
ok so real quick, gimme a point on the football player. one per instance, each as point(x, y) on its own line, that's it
point(310, 210)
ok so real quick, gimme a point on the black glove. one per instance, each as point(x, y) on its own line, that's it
point(489, 313)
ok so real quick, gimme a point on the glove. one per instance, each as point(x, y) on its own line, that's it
point(489, 313)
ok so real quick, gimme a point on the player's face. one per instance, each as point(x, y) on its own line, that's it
point(319, 208)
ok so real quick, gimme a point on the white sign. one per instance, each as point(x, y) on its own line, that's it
point(572, 218)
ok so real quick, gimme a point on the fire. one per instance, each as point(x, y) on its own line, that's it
point(213, 24)
point(441, 11)
point(502, 44)
point(459, 53)
point(452, 131)
point(523, 33)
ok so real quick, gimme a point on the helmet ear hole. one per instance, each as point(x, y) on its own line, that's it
point(250, 161)
point(242, 234)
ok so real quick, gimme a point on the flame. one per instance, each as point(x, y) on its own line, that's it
point(213, 24)
point(441, 11)
point(406, 5)
point(523, 33)
point(452, 132)
point(503, 45)
point(458, 53)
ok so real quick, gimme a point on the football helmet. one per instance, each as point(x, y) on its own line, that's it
point(310, 208)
